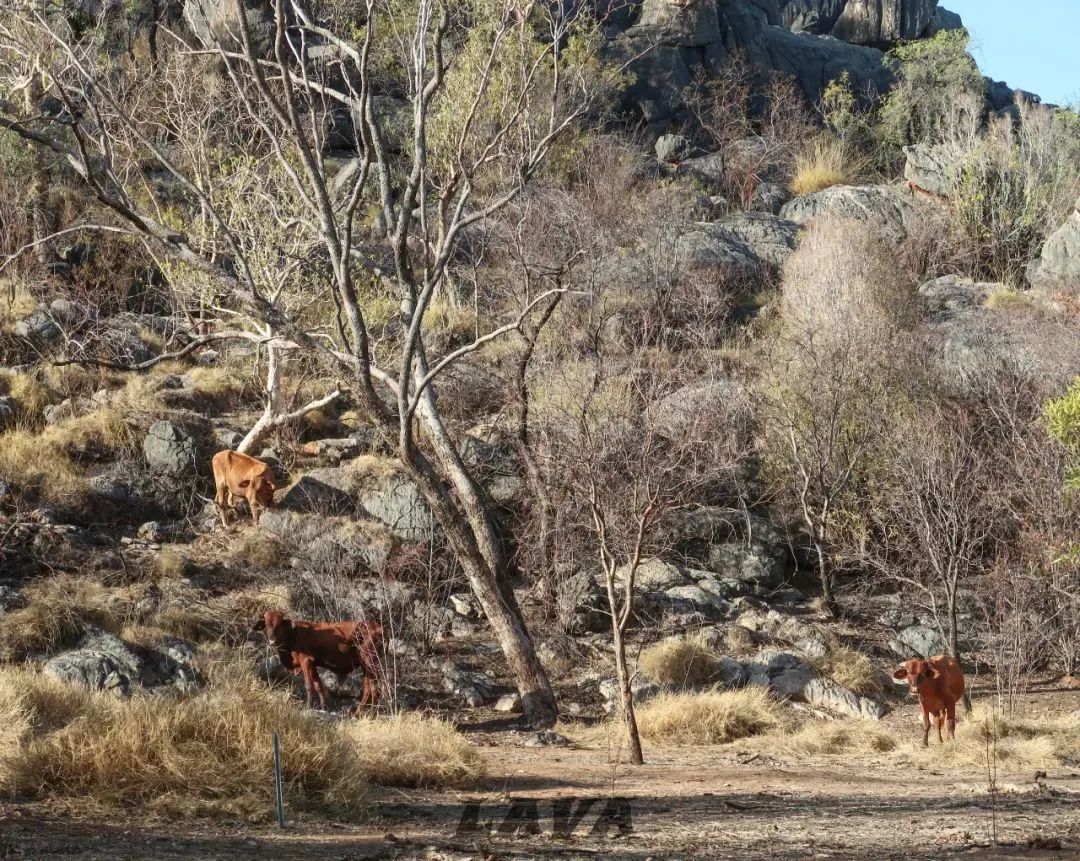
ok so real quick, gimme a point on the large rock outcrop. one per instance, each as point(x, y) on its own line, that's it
point(672, 42)
point(864, 22)
point(1058, 267)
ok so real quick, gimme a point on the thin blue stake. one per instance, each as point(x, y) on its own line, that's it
point(278, 794)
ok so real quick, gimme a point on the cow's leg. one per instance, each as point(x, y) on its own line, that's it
point(951, 714)
point(254, 512)
point(319, 688)
point(221, 496)
point(308, 668)
point(939, 722)
point(926, 727)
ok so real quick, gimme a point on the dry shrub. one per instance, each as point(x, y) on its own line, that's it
point(414, 750)
point(823, 163)
point(711, 717)
point(210, 753)
point(840, 738)
point(58, 610)
point(679, 662)
point(1022, 742)
point(851, 669)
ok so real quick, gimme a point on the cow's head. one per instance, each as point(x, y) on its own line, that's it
point(259, 483)
point(278, 629)
point(916, 671)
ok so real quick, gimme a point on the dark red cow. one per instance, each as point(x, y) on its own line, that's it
point(337, 646)
point(939, 684)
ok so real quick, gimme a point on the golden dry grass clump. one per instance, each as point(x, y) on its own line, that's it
point(58, 610)
point(210, 752)
point(824, 162)
point(43, 462)
point(709, 717)
point(851, 669)
point(680, 662)
point(1022, 741)
point(834, 737)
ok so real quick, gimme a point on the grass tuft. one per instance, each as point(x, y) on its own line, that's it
point(679, 662)
point(851, 669)
point(825, 162)
point(711, 717)
point(210, 753)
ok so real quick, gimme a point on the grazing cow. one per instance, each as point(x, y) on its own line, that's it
point(938, 682)
point(238, 476)
point(337, 646)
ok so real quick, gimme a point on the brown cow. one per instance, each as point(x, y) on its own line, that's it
point(938, 682)
point(337, 646)
point(238, 476)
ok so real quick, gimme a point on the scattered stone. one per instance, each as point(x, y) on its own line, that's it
point(153, 531)
point(641, 690)
point(39, 328)
point(1058, 266)
point(475, 688)
point(654, 575)
point(672, 148)
point(99, 662)
point(508, 703)
point(547, 738)
point(7, 412)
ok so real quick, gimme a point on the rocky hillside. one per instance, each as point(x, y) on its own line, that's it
point(755, 319)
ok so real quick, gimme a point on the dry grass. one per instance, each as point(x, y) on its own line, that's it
point(192, 614)
point(851, 669)
point(711, 717)
point(44, 462)
point(59, 609)
point(210, 753)
point(260, 551)
point(219, 384)
point(679, 662)
point(829, 738)
point(824, 162)
point(414, 750)
point(14, 307)
point(1022, 742)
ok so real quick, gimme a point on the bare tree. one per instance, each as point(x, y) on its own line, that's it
point(469, 150)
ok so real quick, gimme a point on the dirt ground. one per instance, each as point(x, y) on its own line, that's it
point(715, 802)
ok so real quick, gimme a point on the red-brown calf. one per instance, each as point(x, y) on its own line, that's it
point(939, 684)
point(238, 476)
point(338, 646)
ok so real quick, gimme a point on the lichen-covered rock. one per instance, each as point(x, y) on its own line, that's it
point(654, 575)
point(1058, 267)
point(931, 167)
point(890, 208)
point(169, 449)
point(399, 504)
point(918, 640)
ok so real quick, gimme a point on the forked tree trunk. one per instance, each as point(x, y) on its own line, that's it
point(626, 698)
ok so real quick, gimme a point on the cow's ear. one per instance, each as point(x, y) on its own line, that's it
point(243, 483)
point(259, 625)
point(900, 673)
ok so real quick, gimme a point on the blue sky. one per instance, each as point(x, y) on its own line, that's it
point(1034, 45)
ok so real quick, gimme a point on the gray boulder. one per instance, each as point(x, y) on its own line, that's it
point(1058, 267)
point(39, 328)
point(99, 662)
point(339, 542)
point(788, 675)
point(169, 449)
point(949, 295)
point(672, 148)
point(641, 691)
point(399, 504)
point(890, 208)
point(707, 244)
point(654, 575)
point(770, 238)
point(769, 197)
point(710, 603)
point(931, 168)
point(475, 688)
point(706, 169)
point(752, 562)
point(320, 492)
point(7, 412)
point(918, 640)
point(215, 22)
